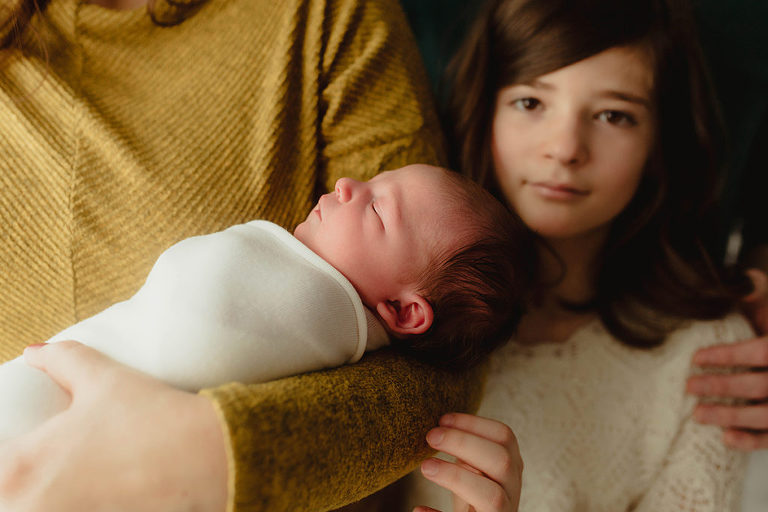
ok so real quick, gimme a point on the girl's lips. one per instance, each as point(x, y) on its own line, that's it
point(558, 191)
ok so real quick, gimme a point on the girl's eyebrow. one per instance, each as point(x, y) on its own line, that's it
point(535, 83)
point(628, 97)
point(638, 99)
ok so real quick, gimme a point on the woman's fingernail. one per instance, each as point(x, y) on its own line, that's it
point(447, 419)
point(34, 346)
point(429, 467)
point(435, 436)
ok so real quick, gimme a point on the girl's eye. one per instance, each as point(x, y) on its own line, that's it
point(616, 117)
point(526, 103)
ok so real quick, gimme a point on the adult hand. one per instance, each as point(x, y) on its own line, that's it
point(127, 442)
point(745, 426)
point(487, 475)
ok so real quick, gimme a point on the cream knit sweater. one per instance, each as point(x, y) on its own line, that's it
point(607, 428)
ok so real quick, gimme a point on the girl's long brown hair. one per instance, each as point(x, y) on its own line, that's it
point(654, 269)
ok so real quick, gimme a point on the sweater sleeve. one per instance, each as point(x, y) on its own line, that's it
point(699, 472)
point(319, 441)
point(376, 109)
point(322, 440)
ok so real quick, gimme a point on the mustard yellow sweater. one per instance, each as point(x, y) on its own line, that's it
point(119, 137)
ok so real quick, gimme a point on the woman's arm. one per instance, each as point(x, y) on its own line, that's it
point(316, 441)
point(377, 109)
point(323, 440)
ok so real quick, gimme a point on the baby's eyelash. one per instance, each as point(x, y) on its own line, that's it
point(376, 211)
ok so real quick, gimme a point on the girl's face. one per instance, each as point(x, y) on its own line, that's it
point(570, 146)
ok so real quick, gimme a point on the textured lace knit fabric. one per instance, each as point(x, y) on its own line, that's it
point(123, 137)
point(607, 428)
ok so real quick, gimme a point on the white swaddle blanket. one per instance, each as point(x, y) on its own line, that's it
point(247, 304)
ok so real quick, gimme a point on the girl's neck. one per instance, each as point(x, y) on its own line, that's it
point(574, 270)
point(573, 267)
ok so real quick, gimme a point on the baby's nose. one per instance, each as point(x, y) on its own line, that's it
point(344, 188)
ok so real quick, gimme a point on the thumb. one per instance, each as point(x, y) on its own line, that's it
point(759, 282)
point(68, 363)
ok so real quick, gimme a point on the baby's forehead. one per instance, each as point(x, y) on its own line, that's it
point(452, 224)
point(431, 195)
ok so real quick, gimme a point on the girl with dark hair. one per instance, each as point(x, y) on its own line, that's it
point(594, 121)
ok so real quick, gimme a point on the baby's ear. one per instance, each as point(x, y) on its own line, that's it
point(411, 314)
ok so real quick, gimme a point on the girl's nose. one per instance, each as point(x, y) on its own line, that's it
point(344, 189)
point(566, 143)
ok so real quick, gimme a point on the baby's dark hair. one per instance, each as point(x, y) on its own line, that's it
point(478, 290)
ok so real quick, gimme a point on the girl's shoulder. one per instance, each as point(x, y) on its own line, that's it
point(681, 344)
point(678, 347)
point(593, 342)
point(731, 328)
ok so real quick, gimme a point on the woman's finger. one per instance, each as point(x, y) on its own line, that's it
point(752, 353)
point(750, 385)
point(66, 362)
point(745, 440)
point(753, 417)
point(479, 492)
point(487, 428)
point(759, 285)
point(755, 305)
point(486, 445)
point(496, 460)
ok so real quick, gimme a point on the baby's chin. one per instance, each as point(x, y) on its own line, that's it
point(298, 232)
point(305, 234)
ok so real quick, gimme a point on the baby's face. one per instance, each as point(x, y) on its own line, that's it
point(381, 233)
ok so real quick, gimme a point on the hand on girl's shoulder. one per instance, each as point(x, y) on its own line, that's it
point(734, 368)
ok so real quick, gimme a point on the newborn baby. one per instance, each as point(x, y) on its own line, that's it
point(254, 303)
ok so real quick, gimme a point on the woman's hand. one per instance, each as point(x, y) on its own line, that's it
point(488, 472)
point(745, 426)
point(127, 442)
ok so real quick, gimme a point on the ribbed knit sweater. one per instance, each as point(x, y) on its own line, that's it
point(119, 137)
